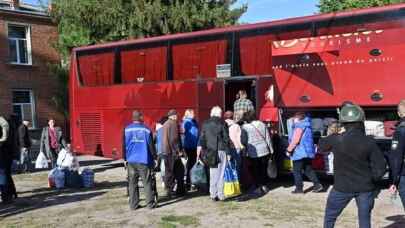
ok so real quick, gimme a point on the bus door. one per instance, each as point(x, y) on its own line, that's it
point(266, 99)
point(235, 84)
point(210, 94)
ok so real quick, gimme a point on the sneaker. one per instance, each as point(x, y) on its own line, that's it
point(216, 199)
point(152, 206)
point(317, 188)
point(135, 208)
point(297, 191)
point(265, 189)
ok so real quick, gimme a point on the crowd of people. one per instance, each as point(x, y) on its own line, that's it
point(15, 145)
point(358, 162)
point(234, 135)
point(240, 137)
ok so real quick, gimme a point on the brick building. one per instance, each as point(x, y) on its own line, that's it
point(26, 86)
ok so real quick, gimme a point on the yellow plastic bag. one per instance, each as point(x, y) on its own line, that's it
point(287, 164)
point(231, 189)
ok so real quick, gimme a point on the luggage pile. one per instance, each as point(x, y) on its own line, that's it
point(67, 174)
point(65, 178)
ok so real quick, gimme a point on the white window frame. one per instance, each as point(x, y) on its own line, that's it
point(32, 104)
point(27, 38)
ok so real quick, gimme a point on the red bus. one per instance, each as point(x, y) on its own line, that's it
point(311, 63)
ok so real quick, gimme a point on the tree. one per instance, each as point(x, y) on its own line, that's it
point(84, 22)
point(61, 97)
point(326, 6)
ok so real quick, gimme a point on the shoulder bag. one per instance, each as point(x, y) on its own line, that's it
point(272, 171)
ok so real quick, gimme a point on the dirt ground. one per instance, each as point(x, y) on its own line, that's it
point(106, 205)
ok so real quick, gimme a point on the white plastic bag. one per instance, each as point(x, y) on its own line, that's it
point(66, 159)
point(61, 157)
point(329, 163)
point(374, 128)
point(41, 162)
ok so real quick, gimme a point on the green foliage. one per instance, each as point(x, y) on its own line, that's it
point(84, 22)
point(173, 220)
point(61, 99)
point(326, 6)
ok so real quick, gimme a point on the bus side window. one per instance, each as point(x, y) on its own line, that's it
point(97, 69)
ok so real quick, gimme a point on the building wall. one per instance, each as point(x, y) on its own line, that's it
point(35, 77)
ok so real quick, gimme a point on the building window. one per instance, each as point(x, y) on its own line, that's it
point(19, 44)
point(24, 106)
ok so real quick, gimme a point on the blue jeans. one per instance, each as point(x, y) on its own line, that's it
point(337, 201)
point(304, 166)
point(401, 190)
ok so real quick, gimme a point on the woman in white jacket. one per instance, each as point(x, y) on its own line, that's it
point(258, 148)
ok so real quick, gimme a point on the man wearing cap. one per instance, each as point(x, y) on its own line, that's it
point(171, 146)
point(358, 164)
point(139, 154)
point(397, 155)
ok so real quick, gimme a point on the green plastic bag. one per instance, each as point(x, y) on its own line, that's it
point(198, 175)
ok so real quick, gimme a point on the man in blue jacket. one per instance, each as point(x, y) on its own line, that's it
point(139, 158)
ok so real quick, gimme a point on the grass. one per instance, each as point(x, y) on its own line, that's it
point(171, 221)
point(45, 208)
point(32, 177)
point(166, 225)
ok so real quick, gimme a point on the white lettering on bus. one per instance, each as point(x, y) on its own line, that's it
point(348, 39)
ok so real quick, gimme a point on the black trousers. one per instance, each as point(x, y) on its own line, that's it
point(53, 157)
point(136, 171)
point(191, 160)
point(174, 173)
point(300, 166)
point(258, 169)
